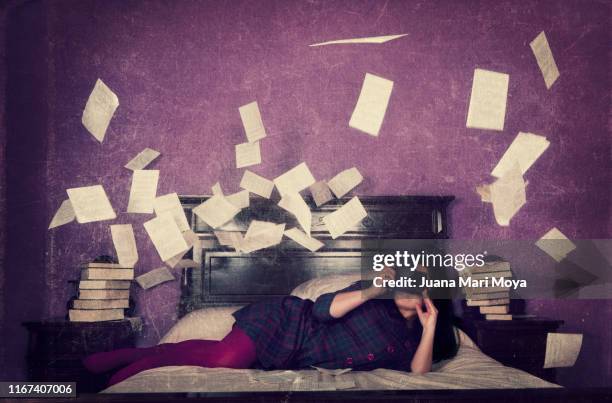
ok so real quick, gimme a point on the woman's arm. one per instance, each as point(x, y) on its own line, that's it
point(345, 302)
point(421, 362)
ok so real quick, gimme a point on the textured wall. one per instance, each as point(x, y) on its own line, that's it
point(181, 69)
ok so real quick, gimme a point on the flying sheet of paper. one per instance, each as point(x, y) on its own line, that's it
point(186, 263)
point(190, 238)
point(487, 108)
point(508, 195)
point(525, 149)
point(257, 184)
point(371, 107)
point(125, 244)
point(63, 215)
point(142, 193)
point(263, 239)
point(485, 193)
point(216, 211)
point(544, 57)
point(247, 154)
point(556, 244)
point(170, 203)
point(369, 39)
point(239, 199)
point(345, 218)
point(294, 204)
point(229, 238)
point(166, 236)
point(154, 277)
point(257, 226)
point(345, 181)
point(301, 238)
point(251, 121)
point(144, 158)
point(562, 349)
point(321, 193)
point(216, 189)
point(294, 180)
point(90, 204)
point(99, 110)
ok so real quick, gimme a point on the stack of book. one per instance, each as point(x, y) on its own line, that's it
point(103, 292)
point(493, 301)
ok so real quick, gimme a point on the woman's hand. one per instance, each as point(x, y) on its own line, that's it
point(428, 319)
point(374, 292)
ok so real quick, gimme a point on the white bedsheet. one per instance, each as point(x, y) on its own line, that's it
point(470, 369)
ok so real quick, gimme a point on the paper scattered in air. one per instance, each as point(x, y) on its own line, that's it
point(63, 215)
point(144, 158)
point(301, 238)
point(239, 199)
point(487, 108)
point(186, 263)
point(562, 349)
point(321, 193)
point(190, 238)
point(90, 204)
point(216, 211)
point(556, 244)
point(256, 184)
point(525, 149)
point(142, 192)
point(263, 237)
point(544, 57)
point(154, 277)
point(247, 154)
point(371, 106)
point(229, 238)
point(99, 110)
point(294, 180)
point(294, 204)
point(170, 203)
point(166, 236)
point(125, 244)
point(345, 181)
point(251, 121)
point(345, 218)
point(508, 195)
point(369, 39)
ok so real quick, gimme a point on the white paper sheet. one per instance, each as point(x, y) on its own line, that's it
point(301, 238)
point(229, 238)
point(345, 181)
point(544, 57)
point(508, 195)
point(216, 211)
point(170, 203)
point(371, 106)
point(63, 215)
point(90, 204)
point(99, 110)
point(294, 204)
point(487, 108)
point(257, 184)
point(562, 349)
point(321, 193)
point(257, 226)
point(262, 239)
point(166, 236)
point(191, 238)
point(294, 180)
point(144, 158)
point(251, 121)
point(247, 154)
point(525, 149)
point(556, 244)
point(125, 244)
point(154, 277)
point(216, 189)
point(345, 218)
point(186, 263)
point(369, 39)
point(142, 192)
point(239, 199)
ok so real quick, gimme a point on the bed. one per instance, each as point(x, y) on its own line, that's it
point(227, 279)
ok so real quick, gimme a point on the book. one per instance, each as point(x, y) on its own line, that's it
point(498, 317)
point(104, 294)
point(100, 303)
point(107, 274)
point(94, 315)
point(104, 285)
point(498, 274)
point(486, 290)
point(487, 302)
point(494, 309)
point(488, 267)
point(493, 295)
point(105, 265)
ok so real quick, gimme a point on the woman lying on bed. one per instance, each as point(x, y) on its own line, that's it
point(351, 328)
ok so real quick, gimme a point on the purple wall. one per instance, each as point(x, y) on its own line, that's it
point(182, 69)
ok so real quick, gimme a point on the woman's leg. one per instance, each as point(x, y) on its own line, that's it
point(236, 350)
point(107, 360)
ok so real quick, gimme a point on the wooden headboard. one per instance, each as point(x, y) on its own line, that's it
point(226, 277)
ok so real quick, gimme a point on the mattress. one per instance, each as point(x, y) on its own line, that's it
point(469, 369)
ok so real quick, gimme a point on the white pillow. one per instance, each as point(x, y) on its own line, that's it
point(312, 289)
point(207, 324)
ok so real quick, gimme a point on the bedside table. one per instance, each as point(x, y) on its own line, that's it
point(518, 343)
point(56, 347)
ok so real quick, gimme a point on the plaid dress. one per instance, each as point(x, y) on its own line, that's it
point(293, 333)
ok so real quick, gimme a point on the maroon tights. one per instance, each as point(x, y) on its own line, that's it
point(236, 350)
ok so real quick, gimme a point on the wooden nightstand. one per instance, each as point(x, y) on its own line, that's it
point(518, 343)
point(56, 347)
